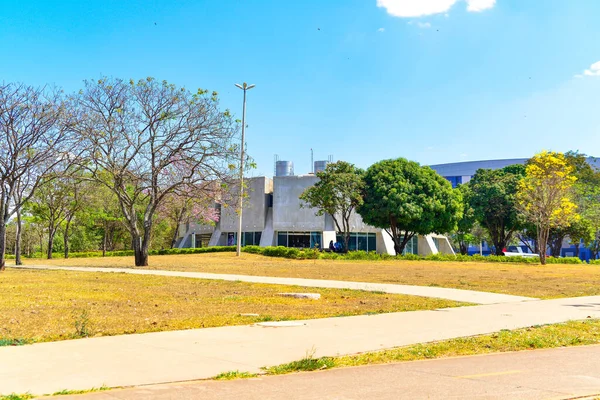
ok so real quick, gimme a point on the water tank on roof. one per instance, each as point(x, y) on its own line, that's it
point(320, 165)
point(284, 168)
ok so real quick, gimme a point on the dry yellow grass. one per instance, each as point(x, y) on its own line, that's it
point(49, 305)
point(548, 281)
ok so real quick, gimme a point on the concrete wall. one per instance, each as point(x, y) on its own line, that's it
point(287, 213)
point(255, 206)
point(358, 225)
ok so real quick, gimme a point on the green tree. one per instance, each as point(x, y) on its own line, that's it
point(145, 140)
point(462, 234)
point(545, 195)
point(407, 199)
point(494, 205)
point(50, 205)
point(337, 193)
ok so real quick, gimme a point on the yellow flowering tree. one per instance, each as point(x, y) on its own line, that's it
point(544, 195)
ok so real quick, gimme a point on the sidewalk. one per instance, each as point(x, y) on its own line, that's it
point(203, 353)
point(561, 373)
point(468, 296)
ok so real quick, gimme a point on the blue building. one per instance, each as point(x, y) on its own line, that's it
point(462, 172)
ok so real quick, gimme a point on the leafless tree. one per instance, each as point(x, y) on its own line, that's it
point(33, 141)
point(146, 140)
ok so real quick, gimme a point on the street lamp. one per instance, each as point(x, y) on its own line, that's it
point(245, 87)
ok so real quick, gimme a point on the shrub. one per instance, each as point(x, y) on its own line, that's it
point(563, 260)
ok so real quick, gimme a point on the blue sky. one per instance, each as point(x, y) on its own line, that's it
point(431, 80)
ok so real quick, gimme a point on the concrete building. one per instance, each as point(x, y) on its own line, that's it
point(274, 216)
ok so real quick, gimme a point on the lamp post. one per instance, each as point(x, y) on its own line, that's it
point(245, 87)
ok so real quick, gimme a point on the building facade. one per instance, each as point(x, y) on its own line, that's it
point(273, 215)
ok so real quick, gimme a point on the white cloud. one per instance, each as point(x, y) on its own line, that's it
point(415, 8)
point(593, 70)
point(424, 25)
point(479, 5)
point(380, 29)
point(420, 8)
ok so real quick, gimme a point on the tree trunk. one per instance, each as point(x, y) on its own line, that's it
point(499, 241)
point(18, 239)
point(556, 245)
point(50, 243)
point(140, 250)
point(400, 245)
point(66, 237)
point(576, 249)
point(543, 243)
point(104, 240)
point(463, 248)
point(2, 245)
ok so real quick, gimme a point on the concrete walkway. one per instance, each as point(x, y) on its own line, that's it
point(152, 358)
point(563, 373)
point(469, 296)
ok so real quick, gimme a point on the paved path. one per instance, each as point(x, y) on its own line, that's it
point(202, 353)
point(469, 296)
point(563, 373)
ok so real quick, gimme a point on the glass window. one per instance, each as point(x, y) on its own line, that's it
point(282, 239)
point(315, 240)
point(362, 242)
point(372, 242)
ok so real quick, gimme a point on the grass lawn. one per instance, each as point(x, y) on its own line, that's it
point(550, 281)
point(55, 305)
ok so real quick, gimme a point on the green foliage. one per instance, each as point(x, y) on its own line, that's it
point(13, 342)
point(544, 196)
point(308, 363)
point(65, 392)
point(82, 324)
point(338, 193)
point(14, 396)
point(408, 199)
point(227, 376)
point(493, 200)
point(127, 253)
point(298, 254)
point(462, 234)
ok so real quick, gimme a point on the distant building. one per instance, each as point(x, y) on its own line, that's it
point(273, 216)
point(462, 172)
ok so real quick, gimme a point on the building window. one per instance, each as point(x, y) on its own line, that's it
point(412, 247)
point(359, 241)
point(251, 238)
point(301, 240)
point(201, 239)
point(454, 180)
point(248, 238)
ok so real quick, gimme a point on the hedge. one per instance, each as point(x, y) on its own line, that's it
point(311, 254)
point(121, 253)
point(302, 254)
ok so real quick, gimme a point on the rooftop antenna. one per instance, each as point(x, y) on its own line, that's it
point(276, 158)
point(312, 164)
point(330, 158)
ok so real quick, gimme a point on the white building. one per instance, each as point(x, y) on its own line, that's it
point(274, 216)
